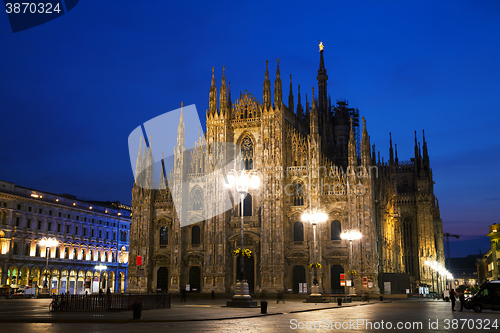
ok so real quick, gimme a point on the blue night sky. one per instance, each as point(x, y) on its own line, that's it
point(73, 89)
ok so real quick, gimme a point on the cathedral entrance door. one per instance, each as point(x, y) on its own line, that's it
point(299, 276)
point(335, 272)
point(249, 271)
point(162, 279)
point(195, 279)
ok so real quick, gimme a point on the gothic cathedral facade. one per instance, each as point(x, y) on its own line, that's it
point(315, 155)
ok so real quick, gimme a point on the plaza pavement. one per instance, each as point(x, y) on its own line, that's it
point(36, 311)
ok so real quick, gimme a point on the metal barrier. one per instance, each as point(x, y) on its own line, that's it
point(113, 302)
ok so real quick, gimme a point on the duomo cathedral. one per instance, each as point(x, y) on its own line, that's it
point(308, 154)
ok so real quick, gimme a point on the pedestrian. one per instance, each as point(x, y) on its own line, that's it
point(101, 291)
point(183, 295)
point(108, 292)
point(452, 298)
point(461, 297)
point(213, 294)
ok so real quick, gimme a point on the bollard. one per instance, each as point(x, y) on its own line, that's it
point(339, 301)
point(381, 298)
point(263, 307)
point(137, 310)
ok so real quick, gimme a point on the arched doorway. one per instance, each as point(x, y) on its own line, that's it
point(335, 272)
point(162, 279)
point(64, 282)
point(80, 283)
point(72, 282)
point(25, 272)
point(249, 271)
point(111, 281)
point(195, 279)
point(299, 276)
point(54, 284)
point(122, 282)
point(88, 283)
point(104, 281)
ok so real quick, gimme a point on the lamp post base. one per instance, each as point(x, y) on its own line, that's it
point(241, 298)
point(44, 292)
point(315, 296)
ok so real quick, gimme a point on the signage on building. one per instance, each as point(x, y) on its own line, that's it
point(139, 260)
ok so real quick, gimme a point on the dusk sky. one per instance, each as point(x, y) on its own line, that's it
point(73, 89)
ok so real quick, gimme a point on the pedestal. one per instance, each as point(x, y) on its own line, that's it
point(316, 296)
point(241, 298)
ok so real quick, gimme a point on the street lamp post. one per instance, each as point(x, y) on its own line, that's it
point(48, 243)
point(242, 182)
point(350, 235)
point(433, 266)
point(315, 216)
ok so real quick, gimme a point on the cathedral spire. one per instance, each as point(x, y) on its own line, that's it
point(425, 153)
point(229, 103)
point(223, 94)
point(290, 96)
point(299, 107)
point(353, 159)
point(365, 146)
point(278, 93)
point(416, 148)
point(374, 157)
point(212, 106)
point(314, 116)
point(322, 78)
point(266, 96)
point(391, 151)
point(396, 150)
point(180, 131)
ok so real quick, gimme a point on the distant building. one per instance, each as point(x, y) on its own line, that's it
point(89, 233)
point(464, 270)
point(487, 267)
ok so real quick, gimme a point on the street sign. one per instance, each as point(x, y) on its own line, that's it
point(139, 260)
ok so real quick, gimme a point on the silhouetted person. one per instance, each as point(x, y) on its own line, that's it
point(183, 295)
point(108, 298)
point(461, 297)
point(213, 294)
point(452, 298)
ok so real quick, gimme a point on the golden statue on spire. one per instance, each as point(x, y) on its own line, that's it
point(320, 46)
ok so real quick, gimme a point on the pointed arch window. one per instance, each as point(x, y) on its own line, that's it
point(298, 232)
point(164, 236)
point(195, 235)
point(298, 195)
point(335, 230)
point(197, 199)
point(247, 153)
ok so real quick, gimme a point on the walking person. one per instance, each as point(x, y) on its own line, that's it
point(452, 298)
point(461, 297)
point(183, 295)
